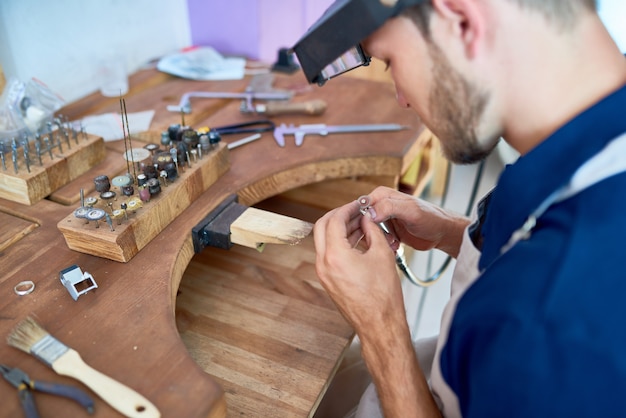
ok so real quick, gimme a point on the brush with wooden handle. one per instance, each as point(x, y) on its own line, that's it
point(32, 338)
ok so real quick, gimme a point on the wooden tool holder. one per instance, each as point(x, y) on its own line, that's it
point(29, 187)
point(143, 220)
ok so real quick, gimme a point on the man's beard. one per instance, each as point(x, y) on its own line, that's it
point(456, 107)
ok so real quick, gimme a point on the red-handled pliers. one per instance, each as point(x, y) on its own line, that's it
point(25, 385)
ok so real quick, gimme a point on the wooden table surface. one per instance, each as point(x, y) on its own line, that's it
point(275, 338)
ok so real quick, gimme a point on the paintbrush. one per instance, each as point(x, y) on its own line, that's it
point(32, 338)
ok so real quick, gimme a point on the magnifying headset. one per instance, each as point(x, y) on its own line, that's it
point(332, 45)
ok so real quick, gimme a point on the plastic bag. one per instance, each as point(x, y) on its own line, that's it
point(11, 122)
point(26, 107)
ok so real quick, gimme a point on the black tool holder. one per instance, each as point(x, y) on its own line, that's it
point(214, 229)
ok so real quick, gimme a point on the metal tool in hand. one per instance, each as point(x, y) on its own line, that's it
point(320, 129)
point(25, 386)
point(401, 262)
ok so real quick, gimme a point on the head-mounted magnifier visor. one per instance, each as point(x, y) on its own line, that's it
point(332, 45)
point(349, 60)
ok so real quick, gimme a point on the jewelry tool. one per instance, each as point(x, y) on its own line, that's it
point(76, 282)
point(260, 88)
point(248, 96)
point(213, 135)
point(365, 204)
point(255, 126)
point(243, 141)
point(4, 164)
point(127, 131)
point(321, 129)
point(25, 385)
point(32, 338)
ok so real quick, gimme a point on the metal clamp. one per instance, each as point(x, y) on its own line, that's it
point(214, 229)
point(184, 105)
point(73, 278)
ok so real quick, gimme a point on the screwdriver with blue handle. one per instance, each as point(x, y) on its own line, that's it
point(25, 386)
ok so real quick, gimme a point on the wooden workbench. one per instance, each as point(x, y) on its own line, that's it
point(259, 335)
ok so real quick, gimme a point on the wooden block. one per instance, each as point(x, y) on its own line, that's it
point(255, 228)
point(30, 187)
point(145, 223)
point(232, 223)
point(69, 195)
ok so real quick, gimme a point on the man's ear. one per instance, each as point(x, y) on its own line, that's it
point(465, 20)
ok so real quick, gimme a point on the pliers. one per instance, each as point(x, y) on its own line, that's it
point(256, 126)
point(24, 385)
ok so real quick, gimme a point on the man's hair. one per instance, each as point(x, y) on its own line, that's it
point(560, 12)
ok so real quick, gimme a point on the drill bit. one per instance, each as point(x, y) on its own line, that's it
point(27, 159)
point(26, 150)
point(38, 151)
point(109, 221)
point(4, 164)
point(63, 131)
point(174, 154)
point(48, 146)
point(50, 131)
point(14, 154)
point(74, 132)
point(14, 158)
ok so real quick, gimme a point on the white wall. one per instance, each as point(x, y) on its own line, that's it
point(613, 14)
point(60, 41)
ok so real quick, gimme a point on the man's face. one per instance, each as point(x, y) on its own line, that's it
point(450, 105)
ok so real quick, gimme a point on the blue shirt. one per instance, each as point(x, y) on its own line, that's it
point(542, 332)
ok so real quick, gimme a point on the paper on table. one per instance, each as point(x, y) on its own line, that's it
point(203, 63)
point(109, 125)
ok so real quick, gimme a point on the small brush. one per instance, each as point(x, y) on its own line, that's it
point(32, 338)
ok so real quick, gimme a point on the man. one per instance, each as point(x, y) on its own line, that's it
point(534, 326)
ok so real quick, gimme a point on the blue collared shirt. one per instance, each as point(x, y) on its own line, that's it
point(542, 332)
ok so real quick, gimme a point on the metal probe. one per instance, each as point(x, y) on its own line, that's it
point(365, 204)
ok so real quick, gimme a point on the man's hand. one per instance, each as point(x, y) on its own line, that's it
point(418, 223)
point(357, 268)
